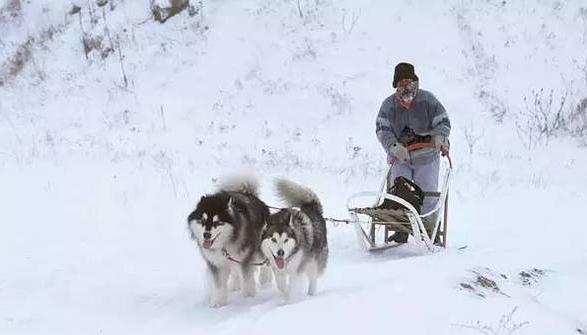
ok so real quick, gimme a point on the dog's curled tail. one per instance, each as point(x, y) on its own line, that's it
point(240, 183)
point(296, 195)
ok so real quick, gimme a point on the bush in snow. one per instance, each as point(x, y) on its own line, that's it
point(340, 101)
point(542, 119)
point(16, 63)
point(576, 122)
point(96, 43)
point(23, 54)
point(505, 326)
point(546, 116)
point(472, 136)
point(164, 9)
point(12, 9)
point(310, 10)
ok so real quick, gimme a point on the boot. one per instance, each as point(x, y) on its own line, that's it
point(398, 237)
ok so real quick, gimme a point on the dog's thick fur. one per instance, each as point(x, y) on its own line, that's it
point(294, 240)
point(229, 221)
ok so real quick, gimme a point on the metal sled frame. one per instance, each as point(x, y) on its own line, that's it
point(403, 220)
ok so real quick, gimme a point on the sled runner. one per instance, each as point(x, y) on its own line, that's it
point(375, 225)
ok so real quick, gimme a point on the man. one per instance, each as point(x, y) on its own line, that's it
point(412, 115)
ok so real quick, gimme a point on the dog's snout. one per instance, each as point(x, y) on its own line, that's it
point(280, 253)
point(207, 235)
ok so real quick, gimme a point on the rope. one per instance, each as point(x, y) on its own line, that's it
point(232, 259)
point(336, 221)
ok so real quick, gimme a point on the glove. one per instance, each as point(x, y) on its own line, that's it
point(399, 152)
point(441, 143)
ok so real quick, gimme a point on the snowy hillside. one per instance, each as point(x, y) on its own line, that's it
point(112, 126)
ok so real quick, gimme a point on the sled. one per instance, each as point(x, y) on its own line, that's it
point(375, 225)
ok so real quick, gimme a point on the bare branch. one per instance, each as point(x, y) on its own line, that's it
point(120, 58)
point(354, 18)
point(505, 325)
point(472, 137)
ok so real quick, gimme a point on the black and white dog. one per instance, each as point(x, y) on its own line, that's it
point(227, 227)
point(295, 240)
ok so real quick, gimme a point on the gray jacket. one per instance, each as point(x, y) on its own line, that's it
point(426, 116)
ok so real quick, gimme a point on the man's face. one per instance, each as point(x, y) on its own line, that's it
point(406, 91)
point(404, 83)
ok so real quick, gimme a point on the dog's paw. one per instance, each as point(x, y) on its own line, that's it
point(217, 303)
point(218, 299)
point(312, 287)
point(290, 298)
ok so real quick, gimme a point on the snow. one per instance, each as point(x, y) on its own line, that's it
point(97, 178)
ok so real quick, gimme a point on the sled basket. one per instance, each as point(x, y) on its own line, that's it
point(375, 225)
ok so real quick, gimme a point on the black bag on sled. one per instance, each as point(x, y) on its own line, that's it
point(407, 190)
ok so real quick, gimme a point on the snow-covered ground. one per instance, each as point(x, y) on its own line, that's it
point(97, 176)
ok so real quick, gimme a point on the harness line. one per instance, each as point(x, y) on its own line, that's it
point(227, 255)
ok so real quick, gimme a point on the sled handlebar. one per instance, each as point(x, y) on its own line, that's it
point(423, 145)
point(420, 145)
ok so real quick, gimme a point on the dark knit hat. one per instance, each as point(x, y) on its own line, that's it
point(403, 71)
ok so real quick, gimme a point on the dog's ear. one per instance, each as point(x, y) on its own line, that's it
point(266, 224)
point(234, 207)
point(230, 206)
point(191, 216)
point(291, 215)
point(264, 231)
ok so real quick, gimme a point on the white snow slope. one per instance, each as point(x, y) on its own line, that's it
point(97, 177)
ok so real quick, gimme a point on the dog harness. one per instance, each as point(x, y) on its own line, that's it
point(227, 255)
